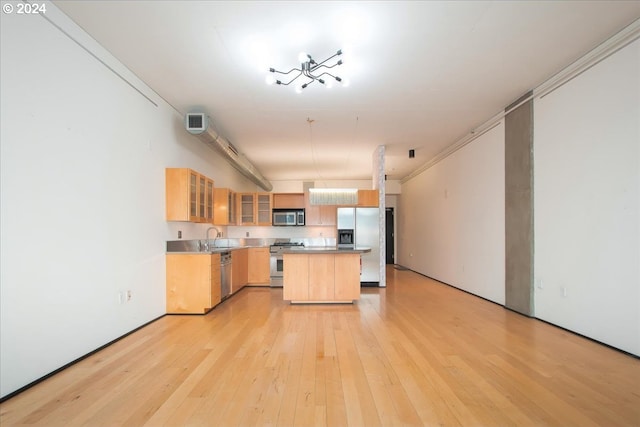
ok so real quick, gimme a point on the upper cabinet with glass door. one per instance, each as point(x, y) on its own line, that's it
point(247, 208)
point(189, 195)
point(255, 208)
point(224, 211)
point(263, 208)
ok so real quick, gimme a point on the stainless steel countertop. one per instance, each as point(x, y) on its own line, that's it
point(212, 246)
point(210, 251)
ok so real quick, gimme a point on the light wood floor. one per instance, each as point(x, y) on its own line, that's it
point(415, 353)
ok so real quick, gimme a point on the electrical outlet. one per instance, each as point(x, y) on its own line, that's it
point(128, 296)
point(179, 234)
point(247, 234)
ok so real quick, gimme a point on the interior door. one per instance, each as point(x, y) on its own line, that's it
point(389, 240)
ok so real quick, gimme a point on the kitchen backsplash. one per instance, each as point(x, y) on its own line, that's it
point(194, 231)
point(280, 232)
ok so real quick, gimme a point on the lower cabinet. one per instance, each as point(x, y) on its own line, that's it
point(259, 273)
point(239, 269)
point(322, 277)
point(193, 283)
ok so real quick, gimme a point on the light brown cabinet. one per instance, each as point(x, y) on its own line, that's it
point(239, 269)
point(208, 199)
point(255, 208)
point(368, 198)
point(288, 200)
point(188, 195)
point(224, 206)
point(296, 277)
point(326, 278)
point(193, 283)
point(347, 277)
point(319, 214)
point(259, 268)
point(246, 208)
point(263, 208)
point(321, 277)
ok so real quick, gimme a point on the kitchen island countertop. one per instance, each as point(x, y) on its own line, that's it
point(323, 250)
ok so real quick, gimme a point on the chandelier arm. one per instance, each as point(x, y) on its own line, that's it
point(288, 72)
point(328, 74)
point(325, 66)
point(292, 80)
point(331, 57)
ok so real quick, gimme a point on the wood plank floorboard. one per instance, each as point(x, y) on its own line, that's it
point(417, 353)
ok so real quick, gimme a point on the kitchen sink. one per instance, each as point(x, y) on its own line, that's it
point(219, 249)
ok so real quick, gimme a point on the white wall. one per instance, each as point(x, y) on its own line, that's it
point(451, 219)
point(82, 197)
point(587, 187)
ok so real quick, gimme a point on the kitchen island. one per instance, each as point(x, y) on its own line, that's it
point(322, 275)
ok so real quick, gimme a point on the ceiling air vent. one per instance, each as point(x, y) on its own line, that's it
point(196, 123)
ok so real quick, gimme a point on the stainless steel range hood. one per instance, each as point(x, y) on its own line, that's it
point(198, 124)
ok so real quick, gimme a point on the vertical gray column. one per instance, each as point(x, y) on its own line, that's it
point(518, 156)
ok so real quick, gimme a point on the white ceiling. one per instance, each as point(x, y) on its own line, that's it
point(423, 74)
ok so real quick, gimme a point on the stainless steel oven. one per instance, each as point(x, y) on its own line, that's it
point(277, 270)
point(276, 262)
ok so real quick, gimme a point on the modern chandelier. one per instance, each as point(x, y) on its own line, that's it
point(311, 70)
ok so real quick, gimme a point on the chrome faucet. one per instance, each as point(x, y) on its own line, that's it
point(206, 247)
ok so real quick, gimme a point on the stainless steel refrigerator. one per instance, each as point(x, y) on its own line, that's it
point(365, 223)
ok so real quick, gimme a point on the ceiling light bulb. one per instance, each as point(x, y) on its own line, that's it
point(345, 82)
point(329, 84)
point(298, 89)
point(269, 79)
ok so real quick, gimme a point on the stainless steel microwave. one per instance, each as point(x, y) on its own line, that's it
point(287, 217)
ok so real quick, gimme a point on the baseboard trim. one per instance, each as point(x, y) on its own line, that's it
point(635, 356)
point(73, 362)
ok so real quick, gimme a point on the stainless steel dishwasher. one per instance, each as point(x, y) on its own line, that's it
point(225, 274)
